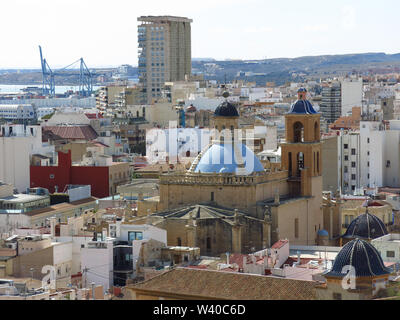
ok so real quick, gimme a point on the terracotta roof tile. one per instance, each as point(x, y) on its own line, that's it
point(71, 132)
point(227, 285)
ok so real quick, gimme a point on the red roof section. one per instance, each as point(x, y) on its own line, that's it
point(279, 244)
point(85, 132)
point(93, 116)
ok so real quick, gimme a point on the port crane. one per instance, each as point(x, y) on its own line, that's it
point(48, 75)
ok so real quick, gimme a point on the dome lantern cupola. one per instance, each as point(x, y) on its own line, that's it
point(302, 105)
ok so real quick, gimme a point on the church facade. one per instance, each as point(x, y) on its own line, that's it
point(228, 202)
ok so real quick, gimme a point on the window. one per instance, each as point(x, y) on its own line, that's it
point(346, 169)
point(212, 196)
point(179, 242)
point(390, 254)
point(353, 152)
point(346, 158)
point(353, 164)
point(353, 188)
point(208, 243)
point(52, 176)
point(346, 146)
point(368, 140)
point(135, 235)
point(388, 164)
point(353, 177)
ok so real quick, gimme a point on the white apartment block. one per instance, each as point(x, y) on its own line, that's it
point(97, 263)
point(349, 174)
point(17, 112)
point(380, 153)
point(17, 144)
point(352, 94)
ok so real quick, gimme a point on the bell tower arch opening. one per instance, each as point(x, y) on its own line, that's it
point(300, 163)
point(298, 132)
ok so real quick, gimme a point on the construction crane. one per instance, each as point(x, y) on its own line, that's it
point(85, 77)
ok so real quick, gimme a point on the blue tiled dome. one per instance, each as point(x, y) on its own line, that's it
point(323, 233)
point(219, 158)
point(226, 109)
point(366, 226)
point(361, 255)
point(302, 107)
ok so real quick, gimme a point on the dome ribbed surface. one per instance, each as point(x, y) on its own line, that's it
point(302, 107)
point(221, 158)
point(361, 255)
point(226, 109)
point(366, 226)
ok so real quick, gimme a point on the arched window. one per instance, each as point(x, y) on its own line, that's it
point(298, 132)
point(300, 162)
point(316, 132)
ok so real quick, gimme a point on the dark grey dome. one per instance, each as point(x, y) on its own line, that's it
point(226, 109)
point(361, 255)
point(366, 226)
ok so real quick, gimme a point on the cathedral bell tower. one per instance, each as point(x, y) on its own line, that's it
point(301, 152)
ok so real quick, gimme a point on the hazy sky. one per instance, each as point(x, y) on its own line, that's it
point(105, 32)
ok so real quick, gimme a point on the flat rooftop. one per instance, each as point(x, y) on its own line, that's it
point(160, 19)
point(21, 197)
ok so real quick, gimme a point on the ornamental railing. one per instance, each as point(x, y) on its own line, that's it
point(220, 179)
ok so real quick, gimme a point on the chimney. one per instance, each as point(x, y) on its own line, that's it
point(277, 197)
point(53, 227)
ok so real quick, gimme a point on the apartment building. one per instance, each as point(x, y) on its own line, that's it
point(17, 144)
point(349, 162)
point(164, 52)
point(331, 101)
point(351, 94)
point(380, 153)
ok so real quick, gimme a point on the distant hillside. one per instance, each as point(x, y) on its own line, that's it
point(286, 69)
point(279, 70)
